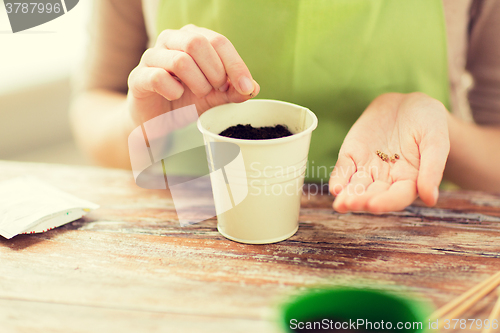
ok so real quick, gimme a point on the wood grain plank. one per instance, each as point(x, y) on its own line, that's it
point(132, 256)
point(35, 317)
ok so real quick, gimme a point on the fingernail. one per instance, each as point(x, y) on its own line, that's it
point(225, 87)
point(246, 85)
point(436, 193)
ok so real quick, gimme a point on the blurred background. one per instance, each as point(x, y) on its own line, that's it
point(35, 87)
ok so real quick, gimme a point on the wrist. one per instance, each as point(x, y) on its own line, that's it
point(459, 133)
point(470, 156)
point(125, 115)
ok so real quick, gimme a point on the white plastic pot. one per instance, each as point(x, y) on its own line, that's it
point(257, 194)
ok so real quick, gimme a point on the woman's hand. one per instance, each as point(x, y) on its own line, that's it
point(415, 127)
point(192, 65)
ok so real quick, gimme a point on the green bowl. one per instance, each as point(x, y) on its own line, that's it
point(354, 310)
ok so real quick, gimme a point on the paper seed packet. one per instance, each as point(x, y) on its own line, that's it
point(29, 205)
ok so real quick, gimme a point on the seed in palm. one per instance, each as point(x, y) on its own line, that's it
point(384, 157)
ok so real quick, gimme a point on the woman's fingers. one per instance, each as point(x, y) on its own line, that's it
point(233, 96)
point(374, 189)
point(349, 198)
point(234, 66)
point(146, 80)
point(188, 65)
point(341, 174)
point(183, 66)
point(202, 59)
point(399, 195)
point(200, 50)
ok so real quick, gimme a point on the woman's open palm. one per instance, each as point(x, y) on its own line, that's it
point(412, 130)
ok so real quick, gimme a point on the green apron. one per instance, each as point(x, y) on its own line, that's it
point(331, 56)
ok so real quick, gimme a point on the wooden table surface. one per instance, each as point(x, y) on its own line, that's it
point(130, 267)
